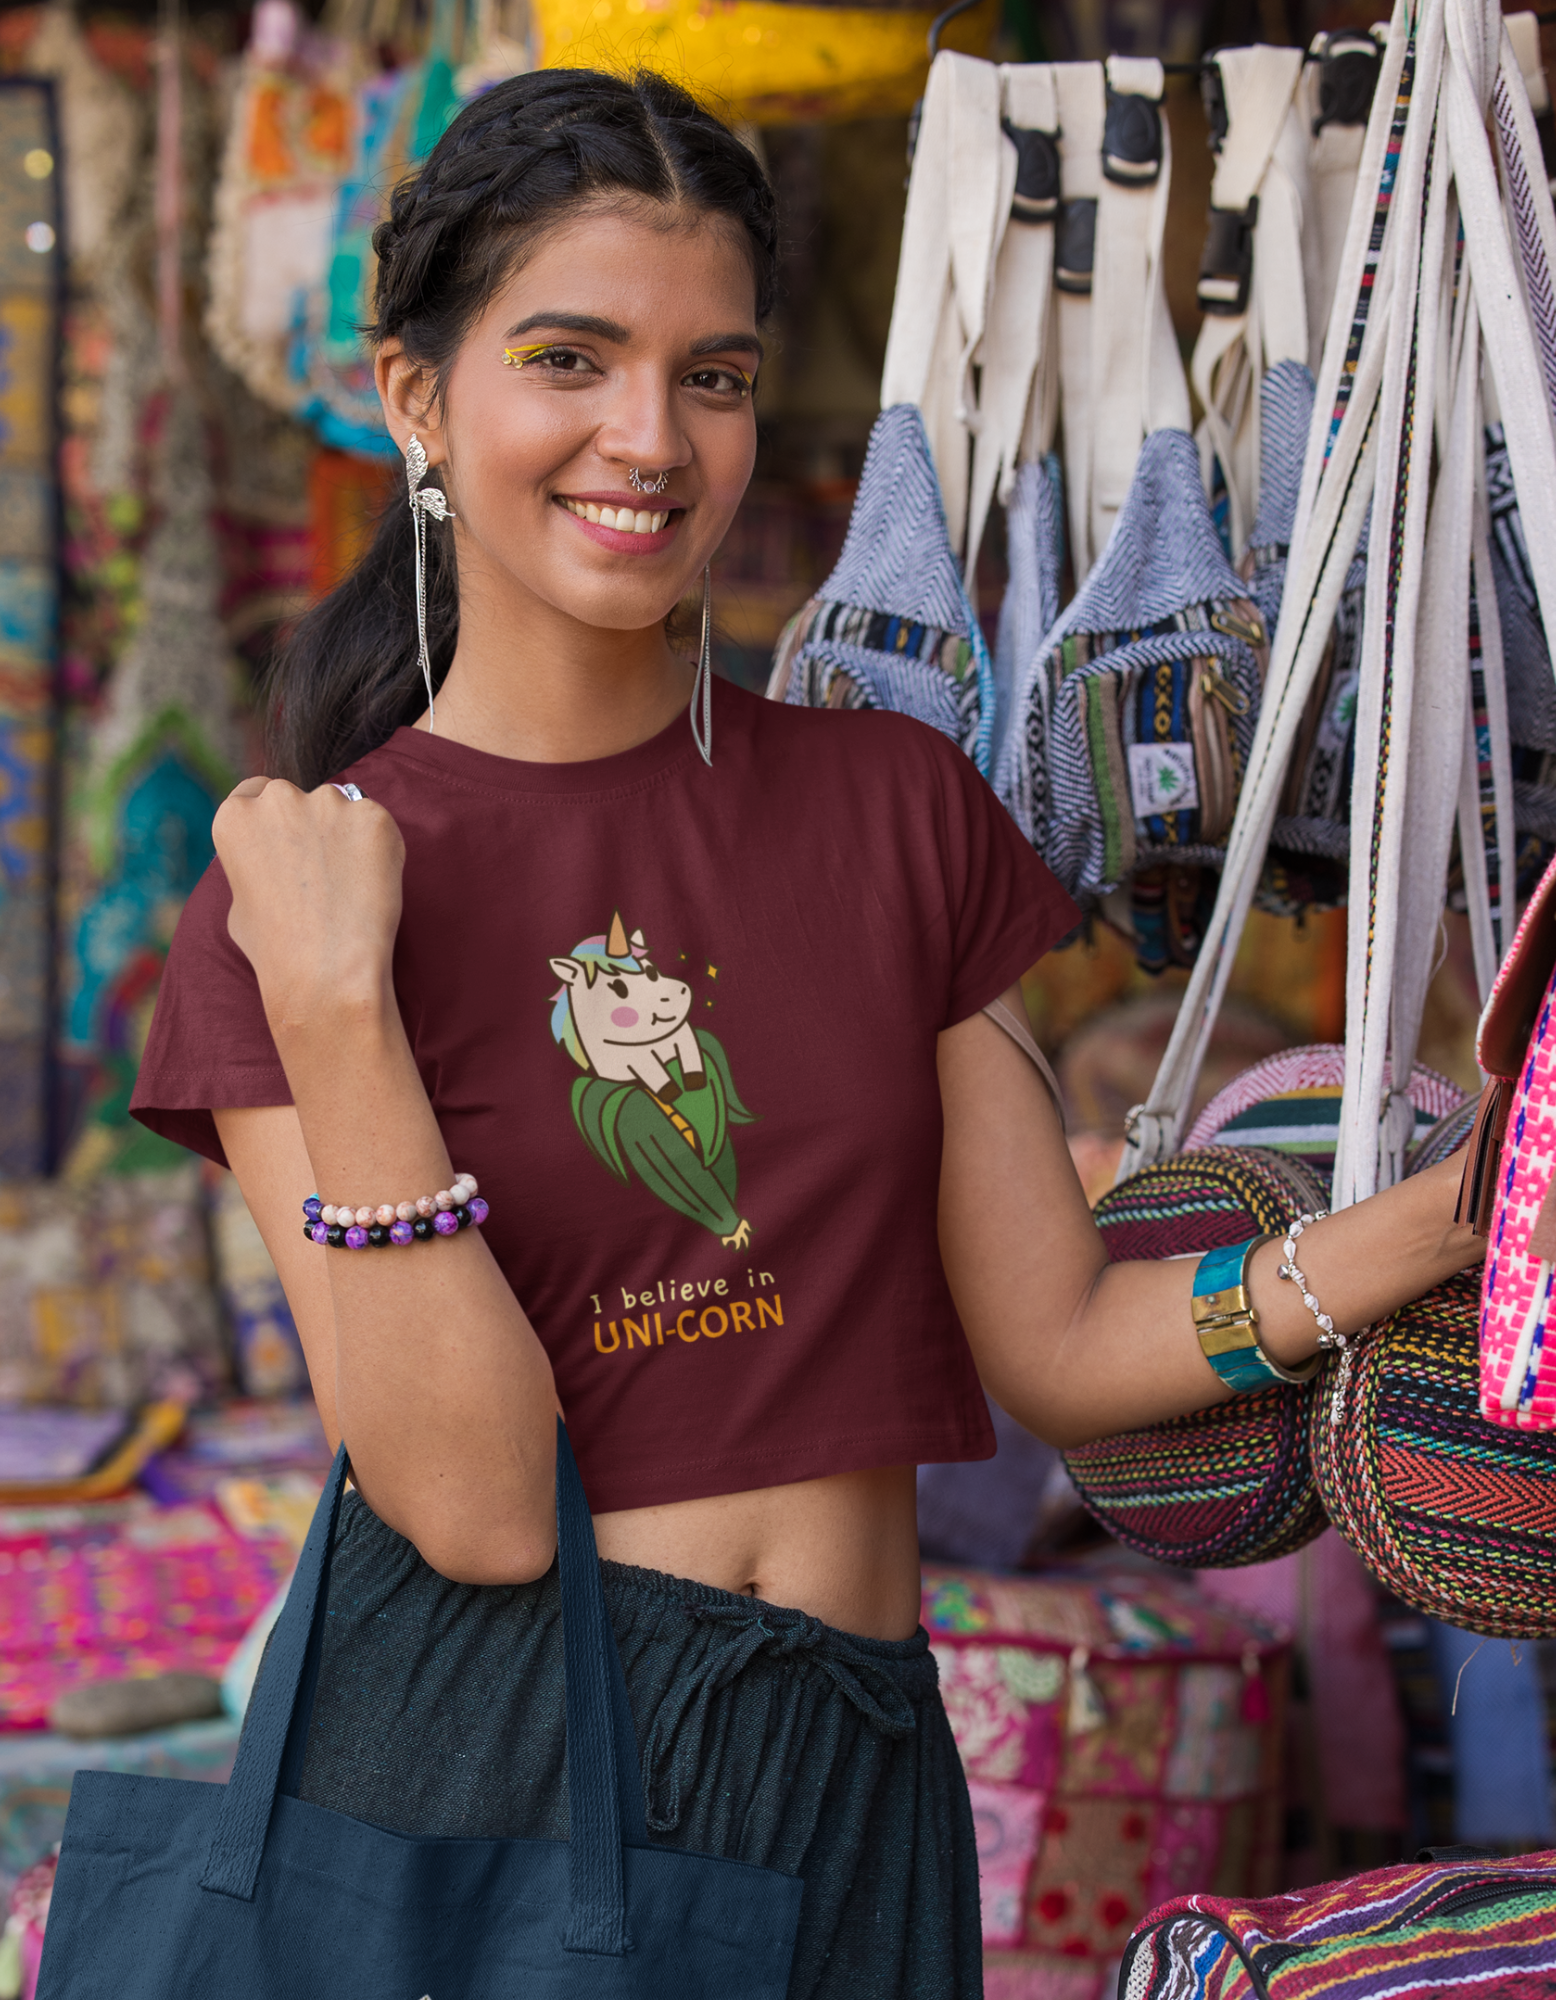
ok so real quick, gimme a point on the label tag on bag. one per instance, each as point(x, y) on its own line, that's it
point(1161, 778)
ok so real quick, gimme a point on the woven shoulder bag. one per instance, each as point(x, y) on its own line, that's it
point(1231, 1484)
point(1457, 1516)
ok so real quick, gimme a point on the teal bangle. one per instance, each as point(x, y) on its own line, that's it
point(1228, 1326)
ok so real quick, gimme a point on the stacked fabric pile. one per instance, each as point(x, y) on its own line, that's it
point(1121, 1736)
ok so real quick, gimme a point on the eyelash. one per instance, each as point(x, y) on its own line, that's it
point(549, 352)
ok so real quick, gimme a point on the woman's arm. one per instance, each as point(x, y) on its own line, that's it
point(421, 1358)
point(1077, 1348)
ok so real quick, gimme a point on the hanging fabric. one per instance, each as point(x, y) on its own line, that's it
point(1250, 280)
point(1081, 92)
point(959, 201)
point(892, 626)
point(1334, 99)
point(1150, 687)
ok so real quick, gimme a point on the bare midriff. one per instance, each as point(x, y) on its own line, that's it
point(844, 1548)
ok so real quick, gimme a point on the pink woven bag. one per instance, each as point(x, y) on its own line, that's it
point(1516, 1048)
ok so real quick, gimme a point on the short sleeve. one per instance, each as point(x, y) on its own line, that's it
point(1005, 905)
point(209, 1047)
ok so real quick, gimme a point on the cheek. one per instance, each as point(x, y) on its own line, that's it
point(624, 1017)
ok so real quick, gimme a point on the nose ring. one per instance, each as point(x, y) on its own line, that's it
point(639, 484)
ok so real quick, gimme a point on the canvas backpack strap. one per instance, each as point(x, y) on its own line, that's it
point(1334, 101)
point(1527, 189)
point(1487, 830)
point(1523, 32)
point(959, 197)
point(1079, 88)
point(1336, 496)
point(1017, 342)
point(1138, 385)
point(1250, 282)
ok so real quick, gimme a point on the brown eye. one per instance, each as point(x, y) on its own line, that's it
point(619, 988)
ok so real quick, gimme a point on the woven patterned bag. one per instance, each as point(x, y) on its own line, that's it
point(1421, 1932)
point(1516, 1048)
point(1456, 1516)
point(1231, 1484)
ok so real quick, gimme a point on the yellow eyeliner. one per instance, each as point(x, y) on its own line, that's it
point(515, 357)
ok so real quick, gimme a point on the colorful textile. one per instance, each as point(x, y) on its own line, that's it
point(30, 277)
point(1456, 1516)
point(1413, 1933)
point(1121, 1739)
point(892, 626)
point(1229, 1484)
point(151, 1591)
point(1291, 1103)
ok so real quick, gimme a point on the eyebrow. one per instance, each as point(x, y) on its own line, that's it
point(610, 329)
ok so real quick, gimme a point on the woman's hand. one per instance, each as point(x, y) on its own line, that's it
point(316, 886)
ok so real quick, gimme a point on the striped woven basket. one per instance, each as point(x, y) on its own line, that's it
point(1457, 1516)
point(1231, 1484)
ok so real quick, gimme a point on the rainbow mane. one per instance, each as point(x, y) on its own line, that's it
point(595, 960)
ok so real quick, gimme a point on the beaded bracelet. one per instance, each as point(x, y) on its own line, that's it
point(441, 1214)
point(1327, 1337)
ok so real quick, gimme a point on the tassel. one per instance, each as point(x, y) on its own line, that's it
point(1086, 1709)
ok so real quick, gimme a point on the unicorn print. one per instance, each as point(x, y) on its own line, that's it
point(656, 1101)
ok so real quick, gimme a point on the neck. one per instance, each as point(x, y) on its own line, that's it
point(529, 682)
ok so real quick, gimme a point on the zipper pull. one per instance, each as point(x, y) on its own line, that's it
point(1219, 688)
point(1235, 625)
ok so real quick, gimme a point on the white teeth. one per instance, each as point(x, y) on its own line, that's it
point(622, 519)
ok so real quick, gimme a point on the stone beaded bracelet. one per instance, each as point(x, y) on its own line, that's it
point(441, 1214)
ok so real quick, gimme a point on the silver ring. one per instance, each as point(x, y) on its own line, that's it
point(639, 484)
point(349, 792)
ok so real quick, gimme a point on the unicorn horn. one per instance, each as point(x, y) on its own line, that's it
point(616, 943)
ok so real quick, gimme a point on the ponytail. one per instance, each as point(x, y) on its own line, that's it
point(515, 162)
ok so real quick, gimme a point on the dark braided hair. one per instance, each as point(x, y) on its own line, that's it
point(517, 161)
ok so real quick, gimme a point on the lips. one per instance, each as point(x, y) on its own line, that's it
point(623, 529)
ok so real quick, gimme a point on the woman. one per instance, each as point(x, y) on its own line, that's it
point(770, 1192)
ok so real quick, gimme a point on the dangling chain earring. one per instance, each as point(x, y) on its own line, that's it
point(425, 500)
point(702, 686)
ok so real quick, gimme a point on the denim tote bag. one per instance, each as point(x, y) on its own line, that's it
point(176, 1890)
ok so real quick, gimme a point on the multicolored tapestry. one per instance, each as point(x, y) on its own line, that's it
point(30, 278)
point(1121, 1736)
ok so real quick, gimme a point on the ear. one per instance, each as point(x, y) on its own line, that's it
point(639, 944)
point(567, 970)
point(407, 393)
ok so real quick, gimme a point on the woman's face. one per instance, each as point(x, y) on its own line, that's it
point(626, 340)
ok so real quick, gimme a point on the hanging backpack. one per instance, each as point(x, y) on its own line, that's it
point(1424, 1931)
point(1230, 1484)
point(1137, 717)
point(892, 626)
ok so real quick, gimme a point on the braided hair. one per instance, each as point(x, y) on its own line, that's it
point(517, 161)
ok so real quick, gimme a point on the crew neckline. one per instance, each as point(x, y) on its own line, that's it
point(623, 770)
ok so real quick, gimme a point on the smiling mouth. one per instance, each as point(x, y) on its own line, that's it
point(660, 1020)
point(625, 520)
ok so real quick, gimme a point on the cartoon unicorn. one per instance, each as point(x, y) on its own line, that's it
point(656, 1099)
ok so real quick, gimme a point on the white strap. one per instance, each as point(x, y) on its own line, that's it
point(1018, 342)
point(1334, 157)
point(1487, 836)
point(1138, 385)
point(1082, 105)
point(958, 202)
point(1523, 31)
point(1233, 350)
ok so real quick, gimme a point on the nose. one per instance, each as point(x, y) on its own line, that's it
point(643, 427)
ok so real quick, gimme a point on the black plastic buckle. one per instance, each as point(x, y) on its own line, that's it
point(1347, 79)
point(1075, 246)
point(1226, 268)
point(1131, 139)
point(1037, 173)
point(1212, 94)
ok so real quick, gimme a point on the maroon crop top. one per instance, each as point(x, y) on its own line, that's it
point(680, 1023)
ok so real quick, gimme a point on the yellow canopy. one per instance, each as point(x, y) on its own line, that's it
point(762, 60)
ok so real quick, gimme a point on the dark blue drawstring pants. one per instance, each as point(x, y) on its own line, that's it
point(767, 1737)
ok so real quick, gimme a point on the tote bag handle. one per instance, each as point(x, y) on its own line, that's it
point(604, 1789)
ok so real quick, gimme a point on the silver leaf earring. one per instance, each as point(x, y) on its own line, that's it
point(425, 500)
point(702, 686)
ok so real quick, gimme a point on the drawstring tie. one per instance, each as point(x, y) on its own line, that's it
point(674, 1749)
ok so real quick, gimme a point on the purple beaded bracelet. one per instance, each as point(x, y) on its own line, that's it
point(441, 1214)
